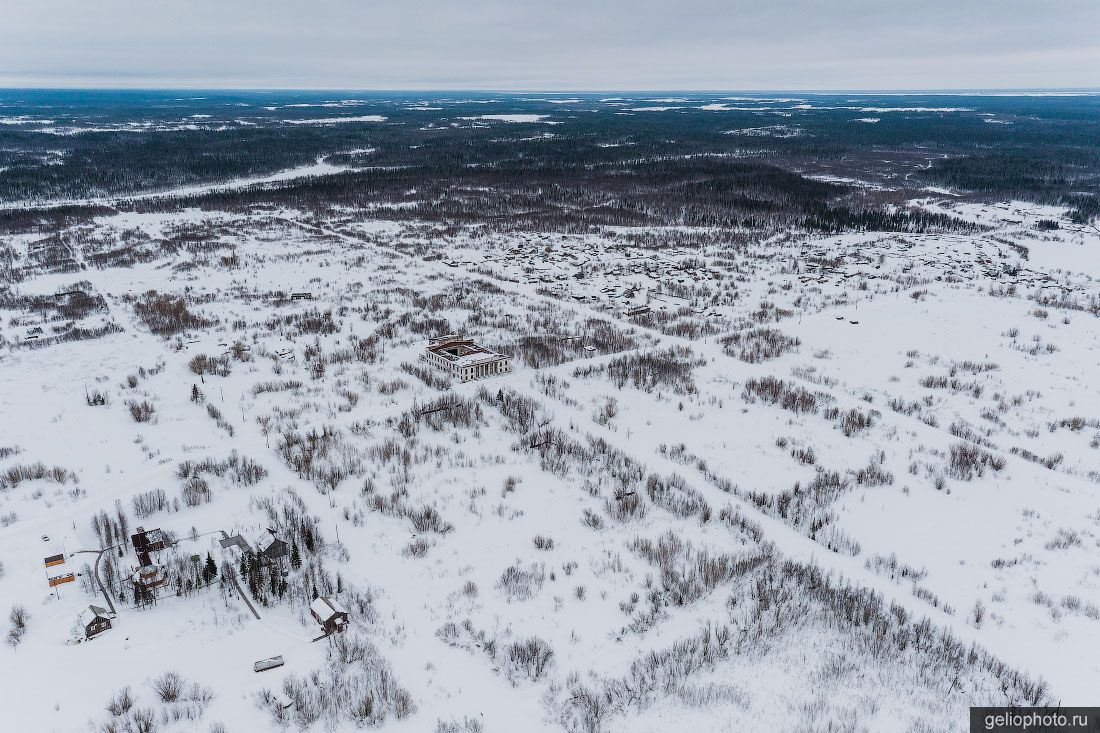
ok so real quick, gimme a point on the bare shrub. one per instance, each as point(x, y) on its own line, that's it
point(237, 468)
point(416, 548)
point(759, 344)
point(466, 725)
point(143, 720)
point(674, 496)
point(15, 475)
point(121, 702)
point(531, 658)
point(670, 368)
point(357, 685)
point(148, 502)
point(140, 411)
point(95, 398)
point(873, 474)
point(167, 315)
point(196, 491)
point(431, 377)
point(624, 507)
point(169, 686)
point(591, 519)
point(217, 365)
point(789, 396)
point(967, 461)
point(542, 542)
point(853, 421)
point(428, 519)
point(18, 617)
point(519, 584)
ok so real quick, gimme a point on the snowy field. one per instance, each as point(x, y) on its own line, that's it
point(778, 483)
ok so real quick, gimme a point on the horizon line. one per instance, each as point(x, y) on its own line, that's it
point(551, 91)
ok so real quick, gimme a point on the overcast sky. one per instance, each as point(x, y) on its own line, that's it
point(552, 44)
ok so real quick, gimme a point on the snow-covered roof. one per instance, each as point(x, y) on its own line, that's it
point(479, 358)
point(91, 613)
point(264, 540)
point(326, 608)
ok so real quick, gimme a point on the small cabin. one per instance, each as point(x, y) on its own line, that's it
point(271, 548)
point(329, 613)
point(95, 620)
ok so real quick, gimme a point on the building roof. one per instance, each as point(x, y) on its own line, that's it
point(264, 540)
point(235, 540)
point(461, 351)
point(149, 536)
point(326, 607)
point(148, 575)
point(93, 613)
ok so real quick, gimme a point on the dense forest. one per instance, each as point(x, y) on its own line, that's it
point(515, 161)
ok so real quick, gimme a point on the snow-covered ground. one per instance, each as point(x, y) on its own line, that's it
point(729, 483)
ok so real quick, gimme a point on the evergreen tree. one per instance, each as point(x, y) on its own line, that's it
point(210, 569)
point(295, 557)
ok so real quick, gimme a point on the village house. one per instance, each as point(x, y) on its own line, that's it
point(147, 579)
point(463, 359)
point(153, 540)
point(270, 548)
point(329, 613)
point(95, 620)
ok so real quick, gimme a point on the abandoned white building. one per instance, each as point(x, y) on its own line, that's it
point(463, 359)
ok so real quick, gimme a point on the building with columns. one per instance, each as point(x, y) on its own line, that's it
point(463, 359)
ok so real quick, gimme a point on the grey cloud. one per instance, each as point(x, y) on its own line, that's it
point(554, 44)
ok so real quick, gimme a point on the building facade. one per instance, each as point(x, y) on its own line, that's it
point(95, 620)
point(463, 359)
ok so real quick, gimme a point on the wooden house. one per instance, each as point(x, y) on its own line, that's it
point(95, 620)
point(153, 540)
point(270, 548)
point(329, 613)
point(148, 577)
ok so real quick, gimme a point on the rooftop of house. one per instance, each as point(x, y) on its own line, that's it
point(92, 613)
point(150, 535)
point(326, 607)
point(265, 540)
